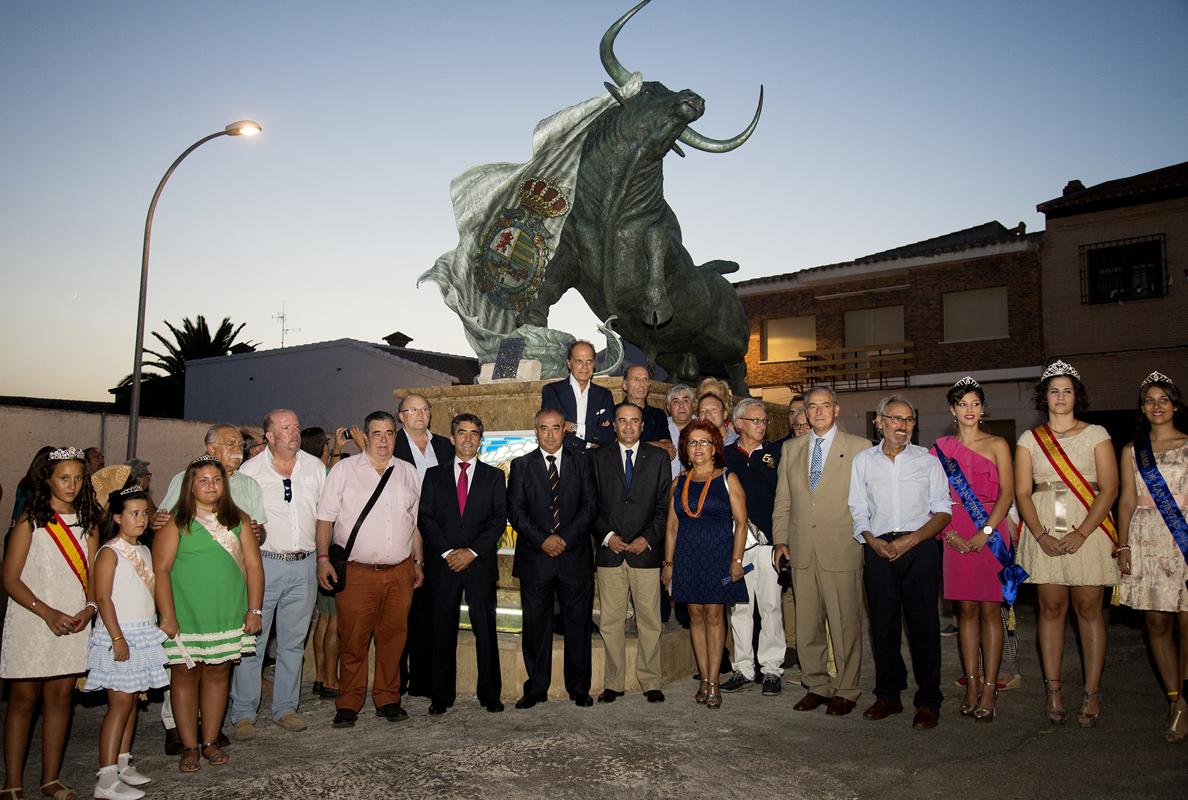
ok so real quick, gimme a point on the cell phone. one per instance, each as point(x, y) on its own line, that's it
point(728, 580)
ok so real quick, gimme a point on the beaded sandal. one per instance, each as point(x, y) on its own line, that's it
point(702, 692)
point(1055, 715)
point(1084, 718)
point(713, 698)
point(984, 714)
point(214, 755)
point(189, 760)
point(966, 709)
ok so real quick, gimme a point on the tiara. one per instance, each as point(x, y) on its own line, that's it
point(1059, 367)
point(67, 453)
point(134, 489)
point(1156, 377)
point(967, 381)
point(205, 458)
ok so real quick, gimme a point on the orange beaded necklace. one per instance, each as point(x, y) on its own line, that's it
point(701, 500)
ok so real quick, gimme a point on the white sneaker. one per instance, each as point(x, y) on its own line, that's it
point(133, 777)
point(118, 791)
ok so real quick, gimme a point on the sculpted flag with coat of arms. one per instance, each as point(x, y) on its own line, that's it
point(515, 250)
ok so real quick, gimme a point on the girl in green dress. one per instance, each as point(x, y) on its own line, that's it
point(210, 588)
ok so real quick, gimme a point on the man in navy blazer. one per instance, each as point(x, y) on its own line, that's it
point(419, 446)
point(463, 513)
point(551, 503)
point(588, 407)
point(633, 480)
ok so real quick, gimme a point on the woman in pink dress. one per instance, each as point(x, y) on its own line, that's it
point(970, 566)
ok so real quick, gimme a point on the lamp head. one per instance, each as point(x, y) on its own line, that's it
point(245, 127)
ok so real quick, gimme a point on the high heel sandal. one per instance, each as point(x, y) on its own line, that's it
point(702, 692)
point(15, 793)
point(1177, 725)
point(1055, 715)
point(1084, 718)
point(984, 714)
point(713, 698)
point(967, 709)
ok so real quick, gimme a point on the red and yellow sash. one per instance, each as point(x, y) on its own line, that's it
point(72, 551)
point(1077, 485)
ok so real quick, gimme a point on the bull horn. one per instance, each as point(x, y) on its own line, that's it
point(699, 142)
point(606, 48)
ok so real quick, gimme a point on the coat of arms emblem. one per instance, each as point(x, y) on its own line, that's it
point(515, 248)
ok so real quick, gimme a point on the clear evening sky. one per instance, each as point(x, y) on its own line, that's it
point(885, 123)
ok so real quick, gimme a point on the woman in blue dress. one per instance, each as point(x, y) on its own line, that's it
point(703, 549)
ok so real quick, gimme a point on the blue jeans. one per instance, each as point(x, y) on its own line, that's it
point(289, 594)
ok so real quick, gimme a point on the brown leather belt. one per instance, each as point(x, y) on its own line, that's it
point(375, 567)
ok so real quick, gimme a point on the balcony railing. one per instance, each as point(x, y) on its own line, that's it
point(850, 369)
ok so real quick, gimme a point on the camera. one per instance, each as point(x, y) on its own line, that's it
point(784, 573)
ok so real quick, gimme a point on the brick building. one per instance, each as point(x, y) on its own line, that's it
point(912, 320)
point(1115, 259)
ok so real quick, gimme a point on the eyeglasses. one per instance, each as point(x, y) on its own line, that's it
point(700, 443)
point(415, 411)
point(755, 420)
point(801, 427)
point(288, 482)
point(899, 420)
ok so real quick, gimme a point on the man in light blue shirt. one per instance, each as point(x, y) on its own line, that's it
point(899, 501)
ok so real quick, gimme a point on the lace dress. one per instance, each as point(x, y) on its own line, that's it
point(1157, 568)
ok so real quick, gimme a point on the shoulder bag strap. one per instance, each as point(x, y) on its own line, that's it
point(367, 509)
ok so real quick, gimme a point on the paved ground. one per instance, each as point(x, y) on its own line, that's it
point(755, 747)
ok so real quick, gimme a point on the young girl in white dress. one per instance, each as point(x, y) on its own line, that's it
point(125, 655)
point(50, 607)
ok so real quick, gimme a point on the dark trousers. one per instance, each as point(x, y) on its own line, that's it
point(448, 591)
point(416, 663)
point(575, 594)
point(906, 590)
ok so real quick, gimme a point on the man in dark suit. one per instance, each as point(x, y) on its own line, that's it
point(632, 481)
point(463, 513)
point(587, 406)
point(418, 446)
point(637, 382)
point(551, 505)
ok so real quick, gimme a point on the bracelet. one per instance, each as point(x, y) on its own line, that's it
point(666, 563)
point(418, 563)
point(323, 557)
point(93, 606)
point(33, 605)
point(115, 639)
point(258, 612)
point(1123, 547)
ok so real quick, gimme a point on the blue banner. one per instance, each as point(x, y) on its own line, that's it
point(1173, 517)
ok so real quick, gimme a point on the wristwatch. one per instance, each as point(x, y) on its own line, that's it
point(258, 612)
point(988, 530)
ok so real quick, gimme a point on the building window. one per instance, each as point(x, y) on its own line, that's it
point(874, 326)
point(1123, 270)
point(976, 314)
point(786, 338)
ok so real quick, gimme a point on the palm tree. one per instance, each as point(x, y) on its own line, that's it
point(163, 395)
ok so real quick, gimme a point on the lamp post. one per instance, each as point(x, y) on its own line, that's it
point(244, 127)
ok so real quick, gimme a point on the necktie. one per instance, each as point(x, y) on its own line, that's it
point(463, 487)
point(628, 470)
point(815, 465)
point(554, 491)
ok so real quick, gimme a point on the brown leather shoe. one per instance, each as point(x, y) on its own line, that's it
point(926, 718)
point(883, 708)
point(839, 706)
point(811, 701)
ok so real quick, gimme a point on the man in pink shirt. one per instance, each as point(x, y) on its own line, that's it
point(384, 566)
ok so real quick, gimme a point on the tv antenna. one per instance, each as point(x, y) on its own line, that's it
point(282, 317)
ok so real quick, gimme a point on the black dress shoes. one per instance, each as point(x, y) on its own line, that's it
point(654, 696)
point(609, 696)
point(392, 712)
point(582, 699)
point(529, 700)
point(810, 701)
point(436, 710)
point(494, 706)
point(344, 718)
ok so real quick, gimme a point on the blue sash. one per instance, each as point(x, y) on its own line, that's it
point(1011, 575)
point(1173, 517)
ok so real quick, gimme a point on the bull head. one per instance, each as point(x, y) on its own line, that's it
point(621, 75)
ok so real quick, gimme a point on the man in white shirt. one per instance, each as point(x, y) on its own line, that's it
point(899, 500)
point(383, 567)
point(290, 481)
point(587, 407)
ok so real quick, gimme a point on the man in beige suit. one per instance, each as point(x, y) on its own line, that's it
point(812, 527)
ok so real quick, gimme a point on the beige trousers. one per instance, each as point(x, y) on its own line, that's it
point(614, 586)
point(834, 598)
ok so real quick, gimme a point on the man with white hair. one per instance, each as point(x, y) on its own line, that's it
point(755, 462)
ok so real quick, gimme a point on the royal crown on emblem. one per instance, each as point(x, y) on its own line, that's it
point(542, 198)
point(67, 453)
point(1156, 377)
point(1059, 367)
point(968, 381)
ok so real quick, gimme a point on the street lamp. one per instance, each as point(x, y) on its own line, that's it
point(244, 127)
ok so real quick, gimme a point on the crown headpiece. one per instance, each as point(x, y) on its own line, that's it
point(968, 382)
point(1059, 367)
point(133, 489)
point(1155, 377)
point(67, 453)
point(542, 198)
point(205, 458)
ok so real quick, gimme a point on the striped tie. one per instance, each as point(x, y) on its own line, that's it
point(554, 491)
point(815, 465)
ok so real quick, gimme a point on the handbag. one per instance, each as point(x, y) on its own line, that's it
point(339, 554)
